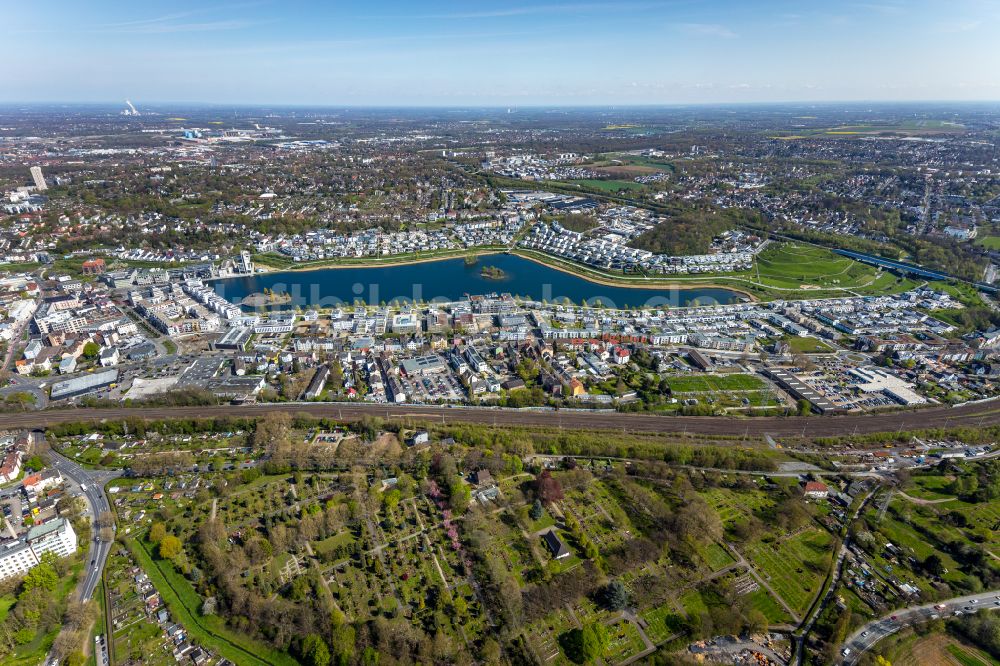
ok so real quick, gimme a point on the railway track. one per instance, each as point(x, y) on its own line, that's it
point(970, 415)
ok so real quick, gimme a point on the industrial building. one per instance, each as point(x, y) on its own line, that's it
point(71, 388)
point(799, 390)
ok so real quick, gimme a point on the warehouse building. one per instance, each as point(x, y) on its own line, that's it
point(91, 383)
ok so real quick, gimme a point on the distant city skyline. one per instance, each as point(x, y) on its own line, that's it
point(438, 53)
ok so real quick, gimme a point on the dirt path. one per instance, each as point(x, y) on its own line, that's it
point(918, 500)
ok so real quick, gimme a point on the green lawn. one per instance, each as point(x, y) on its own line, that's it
point(604, 185)
point(717, 557)
point(662, 622)
point(965, 657)
point(808, 345)
point(805, 267)
point(733, 506)
point(6, 602)
point(693, 603)
point(989, 242)
point(330, 543)
point(715, 383)
point(794, 567)
point(762, 601)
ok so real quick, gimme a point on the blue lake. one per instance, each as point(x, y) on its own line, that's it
point(452, 280)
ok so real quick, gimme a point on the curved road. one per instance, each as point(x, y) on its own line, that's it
point(97, 503)
point(867, 636)
point(969, 415)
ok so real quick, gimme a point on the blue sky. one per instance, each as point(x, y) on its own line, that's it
point(425, 52)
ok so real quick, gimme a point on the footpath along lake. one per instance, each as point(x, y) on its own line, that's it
point(452, 280)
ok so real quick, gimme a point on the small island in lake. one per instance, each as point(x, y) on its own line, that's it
point(471, 259)
point(269, 297)
point(492, 273)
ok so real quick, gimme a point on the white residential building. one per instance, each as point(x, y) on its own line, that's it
point(17, 556)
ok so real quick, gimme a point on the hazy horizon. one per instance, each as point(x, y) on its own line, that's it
point(454, 54)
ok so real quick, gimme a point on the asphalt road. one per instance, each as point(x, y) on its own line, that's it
point(96, 503)
point(867, 636)
point(970, 415)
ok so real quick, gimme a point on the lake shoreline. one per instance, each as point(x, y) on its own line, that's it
point(584, 273)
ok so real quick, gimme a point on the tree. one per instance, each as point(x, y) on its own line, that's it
point(459, 497)
point(157, 532)
point(536, 512)
point(343, 640)
point(272, 431)
point(615, 596)
point(170, 547)
point(91, 350)
point(209, 606)
point(75, 658)
point(696, 521)
point(105, 519)
point(39, 577)
point(314, 651)
point(547, 488)
point(459, 606)
point(390, 499)
point(585, 645)
point(934, 565)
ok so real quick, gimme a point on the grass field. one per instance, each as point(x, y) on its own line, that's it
point(800, 266)
point(6, 602)
point(929, 487)
point(936, 649)
point(794, 567)
point(734, 506)
point(603, 185)
point(693, 603)
point(800, 345)
point(717, 557)
point(326, 545)
point(762, 601)
point(989, 242)
point(662, 622)
point(715, 383)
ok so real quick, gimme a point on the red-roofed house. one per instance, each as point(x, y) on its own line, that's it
point(94, 267)
point(10, 467)
point(816, 490)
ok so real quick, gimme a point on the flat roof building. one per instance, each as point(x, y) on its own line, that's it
point(70, 388)
point(17, 556)
point(799, 390)
point(235, 338)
